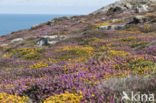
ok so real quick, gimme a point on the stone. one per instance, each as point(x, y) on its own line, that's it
point(17, 40)
point(142, 8)
point(35, 26)
point(4, 45)
point(112, 27)
point(116, 20)
point(126, 6)
point(51, 22)
point(113, 10)
point(137, 19)
point(49, 40)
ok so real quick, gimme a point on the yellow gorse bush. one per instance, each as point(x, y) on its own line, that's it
point(25, 53)
point(102, 24)
point(120, 74)
point(38, 65)
point(117, 53)
point(65, 98)
point(81, 53)
point(7, 98)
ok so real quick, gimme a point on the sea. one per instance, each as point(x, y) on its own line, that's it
point(14, 22)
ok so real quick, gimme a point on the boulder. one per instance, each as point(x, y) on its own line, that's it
point(126, 6)
point(137, 19)
point(49, 40)
point(35, 26)
point(142, 8)
point(113, 10)
point(51, 22)
point(17, 40)
point(117, 20)
point(112, 27)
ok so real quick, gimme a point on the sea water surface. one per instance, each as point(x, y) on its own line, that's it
point(14, 22)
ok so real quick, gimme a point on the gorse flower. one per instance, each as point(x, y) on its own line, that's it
point(25, 53)
point(7, 98)
point(65, 98)
point(39, 65)
point(74, 53)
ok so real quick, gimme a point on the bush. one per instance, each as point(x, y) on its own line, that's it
point(77, 52)
point(65, 98)
point(25, 53)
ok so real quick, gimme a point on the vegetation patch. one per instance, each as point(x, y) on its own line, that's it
point(7, 98)
point(41, 64)
point(117, 53)
point(65, 98)
point(74, 53)
point(25, 53)
point(102, 24)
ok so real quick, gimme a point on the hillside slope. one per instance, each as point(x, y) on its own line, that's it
point(82, 59)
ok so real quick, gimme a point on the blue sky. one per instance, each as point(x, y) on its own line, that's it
point(51, 6)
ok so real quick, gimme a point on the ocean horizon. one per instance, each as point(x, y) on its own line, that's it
point(14, 22)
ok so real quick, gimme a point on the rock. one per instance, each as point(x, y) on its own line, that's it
point(104, 18)
point(35, 26)
point(17, 40)
point(51, 22)
point(137, 20)
point(125, 6)
point(116, 20)
point(112, 27)
point(128, 6)
point(49, 40)
point(142, 8)
point(42, 42)
point(4, 45)
point(113, 10)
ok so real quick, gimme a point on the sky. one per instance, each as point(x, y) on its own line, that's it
point(51, 6)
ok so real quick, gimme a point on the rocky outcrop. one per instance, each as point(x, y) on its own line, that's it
point(112, 27)
point(137, 19)
point(126, 6)
point(49, 40)
point(142, 8)
point(17, 40)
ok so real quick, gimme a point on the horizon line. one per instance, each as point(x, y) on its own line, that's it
point(45, 14)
